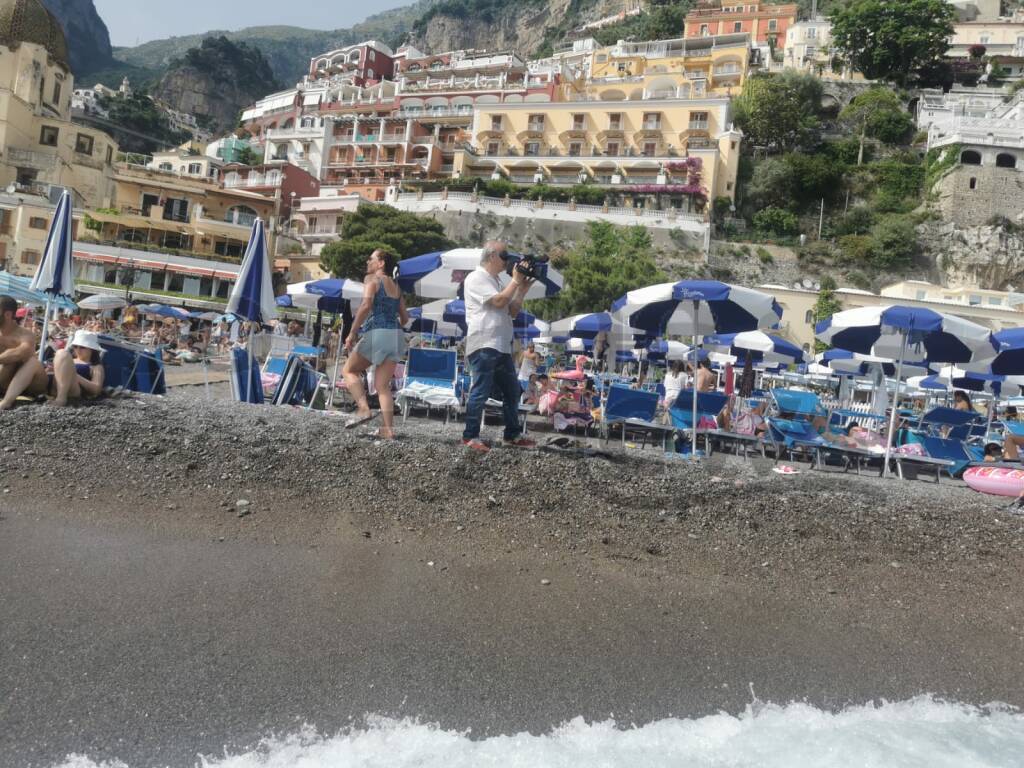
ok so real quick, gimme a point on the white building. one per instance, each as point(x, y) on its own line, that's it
point(87, 100)
point(186, 160)
point(808, 44)
point(941, 110)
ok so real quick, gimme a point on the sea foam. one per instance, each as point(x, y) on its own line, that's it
point(922, 732)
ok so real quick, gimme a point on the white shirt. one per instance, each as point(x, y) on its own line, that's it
point(487, 327)
point(674, 384)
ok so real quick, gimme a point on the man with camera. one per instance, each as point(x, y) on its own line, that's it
point(490, 310)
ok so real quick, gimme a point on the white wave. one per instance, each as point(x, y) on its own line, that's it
point(922, 732)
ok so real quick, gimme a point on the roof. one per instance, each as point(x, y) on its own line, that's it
point(28, 21)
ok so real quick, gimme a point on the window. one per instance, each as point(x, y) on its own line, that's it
point(373, 55)
point(48, 136)
point(492, 148)
point(532, 148)
point(812, 33)
point(737, 26)
point(56, 94)
point(578, 122)
point(612, 149)
point(809, 317)
point(984, 39)
point(536, 123)
point(1004, 160)
point(575, 148)
point(994, 301)
point(974, 300)
point(728, 186)
point(166, 167)
point(623, 68)
point(922, 295)
point(810, 52)
point(37, 222)
point(30, 257)
point(83, 144)
point(970, 157)
point(369, 74)
point(614, 121)
point(650, 149)
point(704, 31)
point(773, 25)
point(195, 168)
point(495, 122)
point(973, 183)
point(698, 121)
point(652, 121)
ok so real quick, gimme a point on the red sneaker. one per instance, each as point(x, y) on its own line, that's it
point(476, 444)
point(520, 442)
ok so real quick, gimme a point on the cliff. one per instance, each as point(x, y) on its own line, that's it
point(87, 35)
point(216, 81)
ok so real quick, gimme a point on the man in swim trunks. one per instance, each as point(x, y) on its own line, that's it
point(20, 369)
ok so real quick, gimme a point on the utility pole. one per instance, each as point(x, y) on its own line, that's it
point(821, 218)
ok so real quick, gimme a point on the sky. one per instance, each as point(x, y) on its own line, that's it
point(137, 21)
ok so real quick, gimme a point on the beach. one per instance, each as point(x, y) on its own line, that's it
point(181, 576)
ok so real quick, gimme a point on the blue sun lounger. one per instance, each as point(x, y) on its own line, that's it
point(632, 410)
point(709, 405)
point(132, 367)
point(299, 384)
point(430, 378)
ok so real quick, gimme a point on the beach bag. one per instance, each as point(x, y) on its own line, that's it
point(911, 449)
point(707, 422)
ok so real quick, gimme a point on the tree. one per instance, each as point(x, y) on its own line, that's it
point(374, 226)
point(826, 306)
point(776, 221)
point(893, 243)
point(891, 39)
point(611, 261)
point(779, 111)
point(878, 114)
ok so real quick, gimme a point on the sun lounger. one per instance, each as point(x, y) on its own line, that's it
point(299, 384)
point(709, 405)
point(132, 367)
point(430, 376)
point(633, 411)
point(794, 436)
point(245, 378)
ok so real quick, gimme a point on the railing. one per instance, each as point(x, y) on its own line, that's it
point(698, 125)
point(415, 112)
point(239, 218)
point(423, 140)
point(651, 126)
point(535, 127)
point(319, 229)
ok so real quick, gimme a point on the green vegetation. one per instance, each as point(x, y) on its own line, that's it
point(141, 114)
point(238, 63)
point(374, 226)
point(602, 267)
point(877, 114)
point(779, 111)
point(892, 39)
point(776, 221)
point(826, 306)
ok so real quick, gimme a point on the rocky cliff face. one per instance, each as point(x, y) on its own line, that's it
point(990, 256)
point(521, 26)
point(87, 35)
point(216, 81)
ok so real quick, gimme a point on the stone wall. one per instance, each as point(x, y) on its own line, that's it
point(971, 195)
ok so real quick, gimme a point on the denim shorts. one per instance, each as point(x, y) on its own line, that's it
point(382, 344)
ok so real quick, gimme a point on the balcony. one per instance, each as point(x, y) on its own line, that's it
point(26, 158)
point(697, 125)
point(535, 127)
point(240, 219)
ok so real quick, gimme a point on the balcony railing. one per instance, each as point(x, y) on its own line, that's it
point(535, 127)
point(698, 125)
point(29, 159)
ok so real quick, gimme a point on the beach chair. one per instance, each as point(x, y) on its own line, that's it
point(792, 404)
point(273, 370)
point(430, 376)
point(795, 436)
point(132, 367)
point(632, 410)
point(245, 378)
point(953, 424)
point(299, 385)
point(709, 405)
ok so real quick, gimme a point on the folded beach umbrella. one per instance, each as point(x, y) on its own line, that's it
point(767, 347)
point(898, 332)
point(696, 308)
point(327, 295)
point(102, 303)
point(440, 275)
point(252, 297)
point(54, 275)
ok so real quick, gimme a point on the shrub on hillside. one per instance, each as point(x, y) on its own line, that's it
point(776, 221)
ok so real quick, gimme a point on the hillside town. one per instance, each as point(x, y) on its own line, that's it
point(631, 133)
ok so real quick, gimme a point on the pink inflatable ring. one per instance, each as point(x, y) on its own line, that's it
point(999, 481)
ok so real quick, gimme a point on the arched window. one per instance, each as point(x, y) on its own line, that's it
point(289, 123)
point(809, 317)
point(1005, 160)
point(369, 74)
point(970, 157)
point(413, 68)
point(437, 64)
point(309, 122)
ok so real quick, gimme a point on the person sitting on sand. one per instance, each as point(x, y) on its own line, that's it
point(77, 371)
point(21, 373)
point(379, 322)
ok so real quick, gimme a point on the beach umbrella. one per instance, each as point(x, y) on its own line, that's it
point(1009, 360)
point(18, 288)
point(252, 297)
point(765, 346)
point(855, 364)
point(422, 325)
point(524, 325)
point(162, 310)
point(102, 303)
point(696, 308)
point(579, 346)
point(893, 331)
point(54, 275)
point(327, 294)
point(440, 275)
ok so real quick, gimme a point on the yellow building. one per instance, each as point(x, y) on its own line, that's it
point(661, 69)
point(162, 210)
point(991, 309)
point(681, 153)
point(40, 144)
point(24, 225)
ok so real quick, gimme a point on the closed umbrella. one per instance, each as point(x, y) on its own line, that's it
point(894, 331)
point(252, 297)
point(747, 379)
point(54, 275)
point(696, 308)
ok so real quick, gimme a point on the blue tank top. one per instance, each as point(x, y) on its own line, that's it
point(384, 313)
point(84, 370)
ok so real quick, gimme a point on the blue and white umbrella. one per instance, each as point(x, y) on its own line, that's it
point(894, 331)
point(328, 295)
point(54, 275)
point(696, 308)
point(524, 326)
point(252, 297)
point(440, 275)
point(763, 346)
point(162, 310)
point(589, 326)
point(428, 325)
point(1009, 360)
point(848, 363)
point(17, 288)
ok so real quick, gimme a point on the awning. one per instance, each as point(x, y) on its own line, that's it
point(154, 264)
point(252, 114)
point(312, 99)
point(211, 228)
point(131, 221)
point(278, 102)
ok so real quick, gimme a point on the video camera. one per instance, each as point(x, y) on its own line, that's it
point(529, 265)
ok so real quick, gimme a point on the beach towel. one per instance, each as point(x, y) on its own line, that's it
point(432, 395)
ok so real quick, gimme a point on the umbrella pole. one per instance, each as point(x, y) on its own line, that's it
point(693, 445)
point(46, 327)
point(895, 405)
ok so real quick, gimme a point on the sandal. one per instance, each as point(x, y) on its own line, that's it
point(377, 434)
point(354, 421)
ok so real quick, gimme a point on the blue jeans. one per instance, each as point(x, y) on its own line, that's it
point(494, 373)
